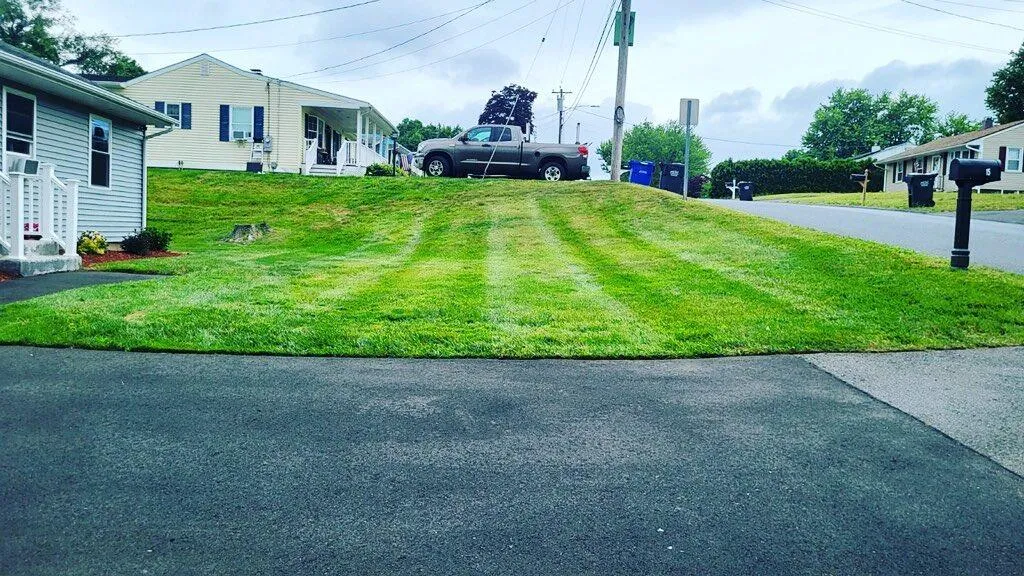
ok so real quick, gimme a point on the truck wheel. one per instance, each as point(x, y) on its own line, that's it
point(438, 166)
point(552, 172)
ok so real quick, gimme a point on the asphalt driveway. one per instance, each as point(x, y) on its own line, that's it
point(995, 244)
point(116, 463)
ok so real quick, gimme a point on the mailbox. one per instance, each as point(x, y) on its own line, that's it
point(975, 172)
point(858, 177)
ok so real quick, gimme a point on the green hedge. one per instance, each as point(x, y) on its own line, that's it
point(791, 176)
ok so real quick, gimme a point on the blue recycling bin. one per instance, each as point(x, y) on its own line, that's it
point(641, 172)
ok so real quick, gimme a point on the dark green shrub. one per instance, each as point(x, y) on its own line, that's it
point(381, 169)
point(135, 244)
point(795, 175)
point(158, 240)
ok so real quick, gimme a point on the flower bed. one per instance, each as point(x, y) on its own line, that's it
point(5, 276)
point(90, 260)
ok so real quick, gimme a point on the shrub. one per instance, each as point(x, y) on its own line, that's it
point(381, 169)
point(794, 175)
point(146, 241)
point(92, 242)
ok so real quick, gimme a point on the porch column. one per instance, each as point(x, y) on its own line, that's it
point(359, 133)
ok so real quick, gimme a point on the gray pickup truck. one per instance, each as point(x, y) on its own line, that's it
point(495, 150)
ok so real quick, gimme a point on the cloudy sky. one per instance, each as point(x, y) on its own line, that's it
point(759, 69)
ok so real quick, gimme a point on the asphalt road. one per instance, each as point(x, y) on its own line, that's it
point(995, 244)
point(116, 463)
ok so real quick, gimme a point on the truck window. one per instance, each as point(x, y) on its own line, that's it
point(479, 135)
point(501, 135)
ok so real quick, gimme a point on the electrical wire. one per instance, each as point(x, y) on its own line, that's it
point(964, 16)
point(980, 6)
point(572, 47)
point(250, 23)
point(602, 41)
point(399, 45)
point(707, 137)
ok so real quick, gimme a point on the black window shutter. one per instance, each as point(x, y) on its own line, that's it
point(186, 116)
point(225, 123)
point(159, 107)
point(257, 122)
point(1002, 157)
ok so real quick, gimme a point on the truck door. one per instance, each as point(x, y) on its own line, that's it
point(473, 153)
point(507, 153)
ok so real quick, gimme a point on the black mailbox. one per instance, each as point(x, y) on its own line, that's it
point(975, 172)
point(858, 177)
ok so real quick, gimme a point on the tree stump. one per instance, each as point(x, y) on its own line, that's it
point(244, 233)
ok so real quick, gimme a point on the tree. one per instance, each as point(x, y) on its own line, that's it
point(665, 143)
point(905, 118)
point(513, 105)
point(955, 124)
point(40, 27)
point(411, 132)
point(843, 127)
point(1005, 95)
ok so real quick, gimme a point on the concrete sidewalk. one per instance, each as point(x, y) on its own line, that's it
point(994, 244)
point(121, 463)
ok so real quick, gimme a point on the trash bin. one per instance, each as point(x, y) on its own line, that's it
point(920, 190)
point(672, 177)
point(746, 191)
point(641, 172)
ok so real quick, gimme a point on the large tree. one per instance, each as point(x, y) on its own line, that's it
point(42, 28)
point(513, 105)
point(905, 118)
point(955, 124)
point(664, 143)
point(411, 132)
point(1005, 95)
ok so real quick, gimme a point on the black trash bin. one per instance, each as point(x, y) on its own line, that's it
point(672, 176)
point(746, 191)
point(920, 190)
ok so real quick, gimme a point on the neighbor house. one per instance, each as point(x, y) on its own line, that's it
point(880, 155)
point(1003, 142)
point(235, 119)
point(73, 159)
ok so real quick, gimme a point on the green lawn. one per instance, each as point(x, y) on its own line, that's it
point(440, 268)
point(944, 201)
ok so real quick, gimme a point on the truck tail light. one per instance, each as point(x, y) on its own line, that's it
point(584, 152)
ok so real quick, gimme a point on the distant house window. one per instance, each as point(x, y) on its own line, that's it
point(1014, 159)
point(99, 144)
point(241, 122)
point(899, 172)
point(20, 123)
point(936, 164)
point(965, 154)
point(174, 110)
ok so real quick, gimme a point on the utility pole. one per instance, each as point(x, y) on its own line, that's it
point(561, 110)
point(578, 124)
point(620, 89)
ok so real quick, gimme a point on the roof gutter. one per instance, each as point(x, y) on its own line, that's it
point(83, 85)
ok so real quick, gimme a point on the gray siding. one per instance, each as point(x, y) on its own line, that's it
point(62, 139)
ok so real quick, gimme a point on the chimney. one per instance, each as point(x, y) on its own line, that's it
point(256, 71)
point(987, 123)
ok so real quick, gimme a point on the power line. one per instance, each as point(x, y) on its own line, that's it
point(453, 56)
point(602, 41)
point(304, 42)
point(965, 17)
point(428, 46)
point(572, 47)
point(251, 23)
point(852, 21)
point(980, 6)
point(707, 137)
point(399, 45)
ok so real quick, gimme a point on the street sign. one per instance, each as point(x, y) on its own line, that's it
point(694, 111)
point(618, 27)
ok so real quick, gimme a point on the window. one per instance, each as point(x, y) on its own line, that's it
point(501, 135)
point(174, 111)
point(479, 135)
point(899, 172)
point(241, 122)
point(99, 144)
point(20, 123)
point(936, 164)
point(1014, 159)
point(965, 154)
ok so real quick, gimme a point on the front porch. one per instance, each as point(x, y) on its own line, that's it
point(343, 141)
point(38, 223)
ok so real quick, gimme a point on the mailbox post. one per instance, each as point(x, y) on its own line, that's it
point(967, 174)
point(863, 180)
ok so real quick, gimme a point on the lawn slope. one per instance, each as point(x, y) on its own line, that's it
point(944, 201)
point(442, 268)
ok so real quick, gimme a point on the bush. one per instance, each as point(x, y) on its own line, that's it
point(795, 175)
point(92, 242)
point(381, 169)
point(146, 241)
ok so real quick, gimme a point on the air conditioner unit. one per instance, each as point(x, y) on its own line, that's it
point(25, 166)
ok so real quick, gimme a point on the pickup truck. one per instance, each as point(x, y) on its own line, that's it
point(496, 150)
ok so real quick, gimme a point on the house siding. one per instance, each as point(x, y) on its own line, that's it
point(1010, 138)
point(62, 139)
point(207, 86)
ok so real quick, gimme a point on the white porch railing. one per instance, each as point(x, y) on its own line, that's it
point(309, 156)
point(37, 205)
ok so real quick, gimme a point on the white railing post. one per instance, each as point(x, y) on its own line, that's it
point(18, 215)
point(46, 201)
point(338, 158)
point(5, 190)
point(71, 233)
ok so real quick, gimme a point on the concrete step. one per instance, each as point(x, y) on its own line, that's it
point(42, 248)
point(35, 265)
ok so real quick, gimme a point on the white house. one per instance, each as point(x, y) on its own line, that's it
point(234, 119)
point(73, 159)
point(1003, 142)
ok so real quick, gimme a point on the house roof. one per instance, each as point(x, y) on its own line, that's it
point(34, 72)
point(885, 153)
point(943, 144)
point(341, 101)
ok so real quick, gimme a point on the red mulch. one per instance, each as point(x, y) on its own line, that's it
point(89, 260)
point(5, 276)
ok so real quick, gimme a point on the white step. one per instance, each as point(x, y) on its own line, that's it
point(35, 265)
